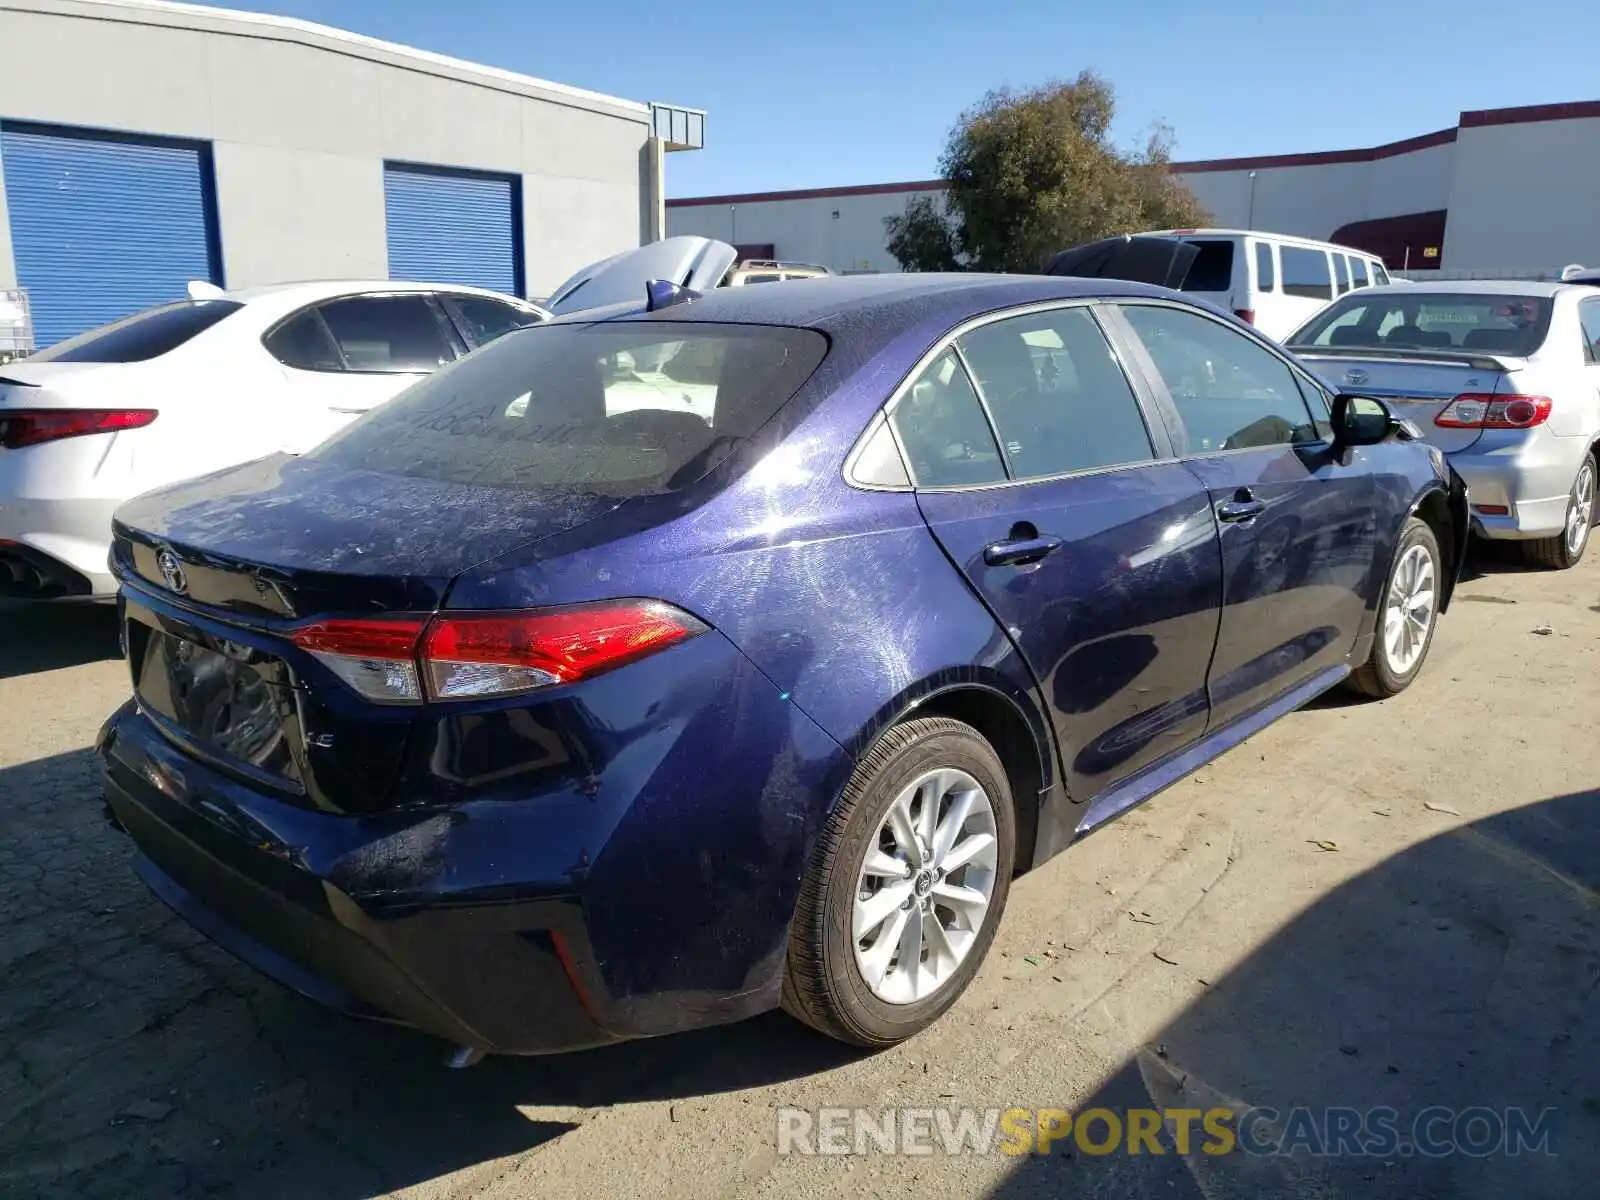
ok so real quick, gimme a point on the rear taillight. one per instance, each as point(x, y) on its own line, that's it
point(474, 655)
point(1481, 410)
point(21, 427)
point(1247, 315)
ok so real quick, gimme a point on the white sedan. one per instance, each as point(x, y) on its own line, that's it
point(199, 385)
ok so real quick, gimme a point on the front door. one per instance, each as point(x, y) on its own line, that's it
point(1297, 521)
point(1099, 560)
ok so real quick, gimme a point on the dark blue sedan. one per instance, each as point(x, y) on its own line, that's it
point(649, 671)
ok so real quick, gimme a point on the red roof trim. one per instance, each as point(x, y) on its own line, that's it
point(1475, 119)
point(860, 189)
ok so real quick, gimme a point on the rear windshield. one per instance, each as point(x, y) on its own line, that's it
point(1414, 320)
point(143, 336)
point(1213, 267)
point(620, 409)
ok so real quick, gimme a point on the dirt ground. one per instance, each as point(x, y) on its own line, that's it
point(1369, 904)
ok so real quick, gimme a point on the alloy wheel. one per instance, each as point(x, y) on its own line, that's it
point(925, 886)
point(1409, 610)
point(1580, 510)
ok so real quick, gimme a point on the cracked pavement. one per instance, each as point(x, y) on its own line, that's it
point(1208, 948)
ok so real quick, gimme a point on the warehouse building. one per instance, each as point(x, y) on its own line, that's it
point(1507, 191)
point(145, 144)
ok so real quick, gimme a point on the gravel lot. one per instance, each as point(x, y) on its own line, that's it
point(1443, 951)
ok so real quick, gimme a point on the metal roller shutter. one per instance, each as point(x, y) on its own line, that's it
point(103, 225)
point(454, 227)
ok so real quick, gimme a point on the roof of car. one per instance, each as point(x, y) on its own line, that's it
point(306, 291)
point(891, 303)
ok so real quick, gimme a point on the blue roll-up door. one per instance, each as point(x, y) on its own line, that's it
point(454, 227)
point(103, 225)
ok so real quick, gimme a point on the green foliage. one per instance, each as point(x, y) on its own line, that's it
point(1034, 172)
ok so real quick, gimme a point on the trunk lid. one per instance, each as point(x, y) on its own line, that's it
point(1417, 384)
point(1138, 258)
point(696, 263)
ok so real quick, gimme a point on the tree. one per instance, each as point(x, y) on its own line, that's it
point(1034, 172)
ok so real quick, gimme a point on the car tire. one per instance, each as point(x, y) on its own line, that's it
point(1399, 646)
point(1565, 550)
point(833, 944)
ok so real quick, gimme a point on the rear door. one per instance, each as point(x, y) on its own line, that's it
point(1039, 472)
point(1296, 521)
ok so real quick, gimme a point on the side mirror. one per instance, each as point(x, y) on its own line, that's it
point(1364, 421)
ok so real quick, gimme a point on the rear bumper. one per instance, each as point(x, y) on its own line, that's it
point(523, 926)
point(56, 549)
point(1530, 478)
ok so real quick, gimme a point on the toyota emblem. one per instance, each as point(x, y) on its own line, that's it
point(1355, 375)
point(172, 571)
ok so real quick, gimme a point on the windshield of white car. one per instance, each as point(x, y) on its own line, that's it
point(143, 336)
point(615, 408)
point(1427, 320)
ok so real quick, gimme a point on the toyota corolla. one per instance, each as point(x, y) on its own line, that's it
point(563, 700)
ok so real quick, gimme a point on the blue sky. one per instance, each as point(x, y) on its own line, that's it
point(830, 92)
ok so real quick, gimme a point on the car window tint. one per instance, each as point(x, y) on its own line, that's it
point(1305, 273)
point(624, 409)
point(1230, 392)
point(143, 336)
point(1589, 314)
point(303, 343)
point(486, 319)
point(1212, 270)
point(1359, 265)
point(1057, 394)
point(388, 333)
point(1422, 320)
point(1266, 269)
point(941, 425)
point(1341, 265)
point(1379, 274)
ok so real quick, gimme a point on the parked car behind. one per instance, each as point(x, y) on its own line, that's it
point(1271, 280)
point(538, 717)
point(1504, 376)
point(196, 386)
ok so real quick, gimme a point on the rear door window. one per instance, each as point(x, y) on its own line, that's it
point(1057, 394)
point(143, 336)
point(1359, 266)
point(1306, 273)
point(618, 408)
point(1212, 270)
point(1341, 266)
point(388, 334)
point(1266, 268)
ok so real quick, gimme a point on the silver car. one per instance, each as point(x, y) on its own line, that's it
point(1502, 375)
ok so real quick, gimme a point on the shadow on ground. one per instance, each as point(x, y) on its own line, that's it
point(1462, 972)
point(39, 637)
point(136, 1059)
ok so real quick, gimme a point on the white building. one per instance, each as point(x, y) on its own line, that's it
point(144, 144)
point(1506, 190)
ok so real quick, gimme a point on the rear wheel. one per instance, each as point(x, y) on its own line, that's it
point(1567, 547)
point(906, 888)
point(1406, 619)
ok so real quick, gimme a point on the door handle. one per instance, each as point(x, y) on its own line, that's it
point(1240, 508)
point(1019, 552)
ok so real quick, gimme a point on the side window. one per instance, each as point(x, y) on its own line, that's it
point(388, 334)
point(1057, 394)
point(941, 425)
point(1231, 393)
point(1266, 268)
point(1359, 266)
point(485, 319)
point(1379, 275)
point(1589, 314)
point(1341, 265)
point(303, 343)
point(1305, 273)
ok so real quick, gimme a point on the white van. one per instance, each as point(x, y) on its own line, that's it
point(1274, 281)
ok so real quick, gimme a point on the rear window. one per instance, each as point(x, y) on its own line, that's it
point(143, 336)
point(1213, 267)
point(1492, 324)
point(620, 409)
point(1306, 273)
point(1266, 272)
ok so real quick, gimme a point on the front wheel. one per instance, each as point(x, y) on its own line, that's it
point(906, 887)
point(1567, 547)
point(1407, 617)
